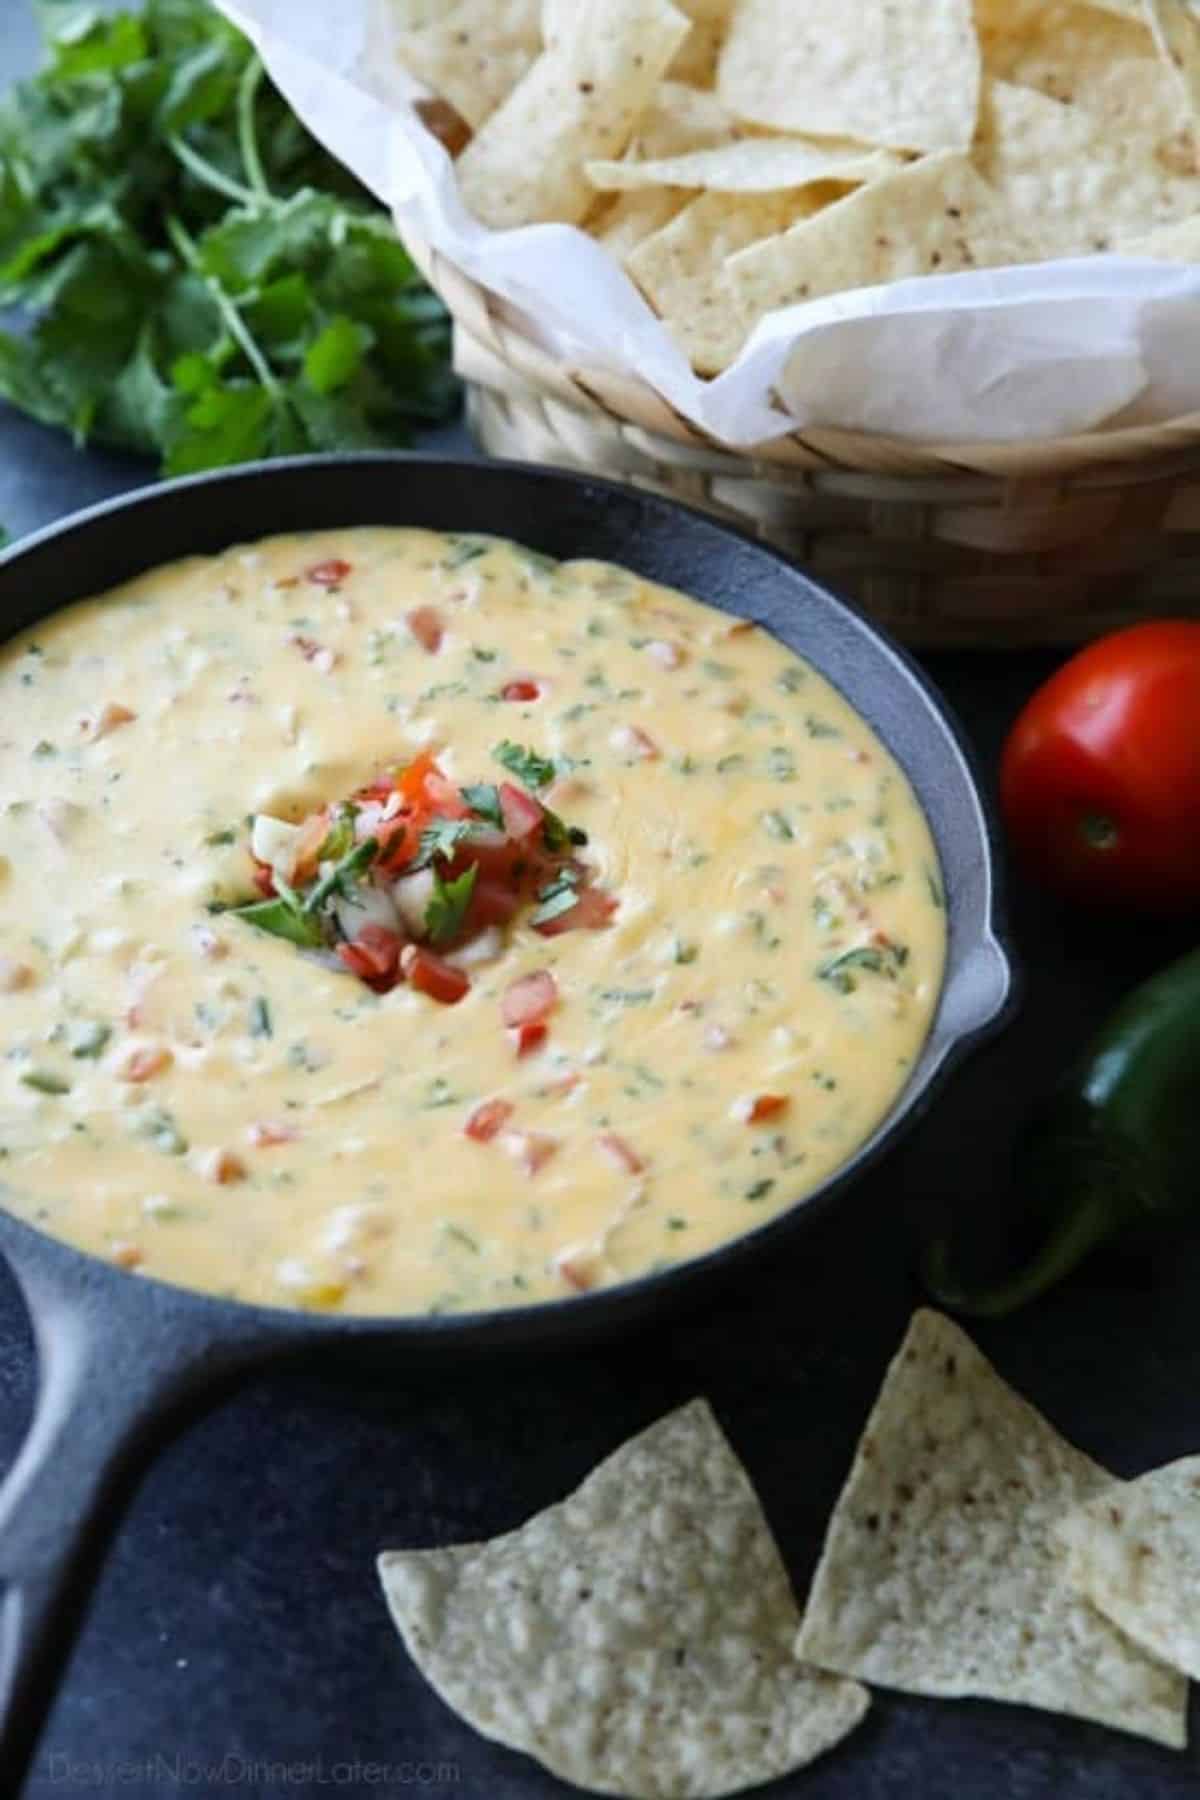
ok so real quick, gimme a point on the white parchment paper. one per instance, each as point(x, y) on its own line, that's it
point(1002, 355)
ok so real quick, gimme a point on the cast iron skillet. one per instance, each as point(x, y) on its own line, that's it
point(117, 1353)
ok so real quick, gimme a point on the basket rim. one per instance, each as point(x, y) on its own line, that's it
point(1125, 452)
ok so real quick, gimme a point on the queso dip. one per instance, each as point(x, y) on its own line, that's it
point(264, 1032)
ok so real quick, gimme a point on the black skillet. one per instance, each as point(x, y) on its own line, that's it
point(116, 1352)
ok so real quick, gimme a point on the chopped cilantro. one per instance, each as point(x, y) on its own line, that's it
point(441, 839)
point(870, 959)
point(88, 1037)
point(355, 863)
point(339, 840)
point(532, 770)
point(448, 905)
point(217, 839)
point(44, 1081)
point(260, 1017)
point(282, 918)
point(484, 802)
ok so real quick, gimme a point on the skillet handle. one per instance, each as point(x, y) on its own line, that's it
point(110, 1364)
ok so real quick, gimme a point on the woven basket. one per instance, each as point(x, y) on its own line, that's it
point(970, 546)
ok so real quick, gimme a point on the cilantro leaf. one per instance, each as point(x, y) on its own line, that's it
point(442, 838)
point(448, 905)
point(282, 918)
point(198, 279)
point(484, 802)
point(346, 870)
point(532, 770)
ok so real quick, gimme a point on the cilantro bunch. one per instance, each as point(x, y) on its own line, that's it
point(195, 277)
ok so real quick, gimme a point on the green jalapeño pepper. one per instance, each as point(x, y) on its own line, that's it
point(1115, 1152)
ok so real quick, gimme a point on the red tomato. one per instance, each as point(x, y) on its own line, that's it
point(492, 903)
point(425, 623)
point(264, 880)
point(593, 911)
point(328, 574)
point(433, 975)
point(488, 1120)
point(528, 1000)
point(621, 1153)
point(528, 1037)
point(521, 688)
point(1100, 779)
point(374, 956)
point(523, 815)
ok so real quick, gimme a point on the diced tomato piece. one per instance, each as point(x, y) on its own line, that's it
point(578, 1268)
point(496, 857)
point(635, 742)
point(433, 975)
point(398, 839)
point(593, 911)
point(523, 815)
point(521, 688)
point(529, 999)
point(492, 903)
point(755, 1108)
point(426, 625)
point(264, 880)
point(526, 1038)
point(445, 797)
point(410, 782)
point(532, 1149)
point(562, 1085)
point(146, 1063)
point(374, 956)
point(488, 1120)
point(328, 574)
point(269, 1132)
point(382, 945)
point(621, 1153)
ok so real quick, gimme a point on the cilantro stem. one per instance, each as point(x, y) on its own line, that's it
point(350, 866)
point(210, 176)
point(234, 323)
point(248, 87)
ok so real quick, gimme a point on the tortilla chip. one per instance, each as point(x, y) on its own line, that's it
point(1135, 1554)
point(1083, 184)
point(1170, 243)
point(933, 217)
point(682, 119)
point(470, 52)
point(1094, 58)
point(942, 1572)
point(627, 220)
point(684, 269)
point(903, 74)
point(581, 100)
point(757, 165)
point(1176, 33)
point(635, 1639)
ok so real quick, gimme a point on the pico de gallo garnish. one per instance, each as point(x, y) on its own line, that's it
point(415, 877)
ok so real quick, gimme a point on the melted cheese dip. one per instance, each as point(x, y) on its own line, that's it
point(780, 931)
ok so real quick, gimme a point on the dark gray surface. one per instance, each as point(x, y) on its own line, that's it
point(237, 1642)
